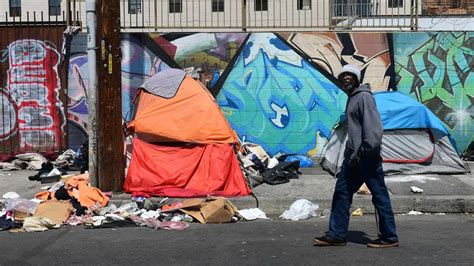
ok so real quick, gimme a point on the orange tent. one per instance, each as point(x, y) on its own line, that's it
point(184, 144)
point(185, 113)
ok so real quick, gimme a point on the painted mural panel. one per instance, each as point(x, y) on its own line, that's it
point(140, 61)
point(437, 70)
point(279, 90)
point(202, 55)
point(31, 110)
point(331, 51)
point(274, 97)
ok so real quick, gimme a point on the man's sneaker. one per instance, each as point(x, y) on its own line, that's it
point(380, 243)
point(328, 241)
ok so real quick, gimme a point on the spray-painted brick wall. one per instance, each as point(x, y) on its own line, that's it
point(279, 89)
point(437, 69)
point(31, 111)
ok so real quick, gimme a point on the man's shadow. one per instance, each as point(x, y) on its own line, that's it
point(358, 237)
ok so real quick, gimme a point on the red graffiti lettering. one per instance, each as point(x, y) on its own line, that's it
point(33, 84)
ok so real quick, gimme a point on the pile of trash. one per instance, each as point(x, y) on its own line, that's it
point(72, 201)
point(69, 160)
point(260, 168)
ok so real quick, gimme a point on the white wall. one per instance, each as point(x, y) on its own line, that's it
point(281, 14)
point(28, 7)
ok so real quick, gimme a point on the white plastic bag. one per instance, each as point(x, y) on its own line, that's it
point(22, 205)
point(300, 210)
point(11, 195)
point(252, 214)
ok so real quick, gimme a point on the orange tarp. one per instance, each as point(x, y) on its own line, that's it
point(78, 187)
point(192, 170)
point(192, 115)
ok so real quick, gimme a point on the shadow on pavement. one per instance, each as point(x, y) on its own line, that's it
point(357, 237)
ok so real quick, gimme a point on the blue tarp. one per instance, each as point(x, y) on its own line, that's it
point(400, 111)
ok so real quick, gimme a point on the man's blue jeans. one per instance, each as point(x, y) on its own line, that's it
point(349, 180)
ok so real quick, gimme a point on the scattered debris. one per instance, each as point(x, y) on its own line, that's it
point(410, 178)
point(357, 212)
point(326, 213)
point(260, 168)
point(416, 190)
point(364, 190)
point(415, 213)
point(252, 214)
point(39, 224)
point(11, 195)
point(300, 210)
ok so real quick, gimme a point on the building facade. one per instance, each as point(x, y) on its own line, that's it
point(223, 14)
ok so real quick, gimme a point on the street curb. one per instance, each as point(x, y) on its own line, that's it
point(400, 204)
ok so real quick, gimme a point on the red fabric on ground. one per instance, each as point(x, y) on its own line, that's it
point(193, 170)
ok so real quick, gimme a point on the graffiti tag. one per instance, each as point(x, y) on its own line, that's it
point(33, 84)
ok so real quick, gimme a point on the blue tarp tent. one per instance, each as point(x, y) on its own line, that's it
point(401, 111)
point(415, 140)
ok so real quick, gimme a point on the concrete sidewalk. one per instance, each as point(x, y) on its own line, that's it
point(442, 193)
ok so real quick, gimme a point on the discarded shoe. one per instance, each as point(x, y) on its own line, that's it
point(35, 177)
point(380, 243)
point(328, 241)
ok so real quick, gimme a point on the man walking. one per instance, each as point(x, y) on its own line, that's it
point(362, 163)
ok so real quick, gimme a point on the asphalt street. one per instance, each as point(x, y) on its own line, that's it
point(425, 240)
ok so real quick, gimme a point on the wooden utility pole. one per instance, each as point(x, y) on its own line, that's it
point(110, 141)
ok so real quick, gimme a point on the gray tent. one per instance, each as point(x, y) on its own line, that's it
point(415, 141)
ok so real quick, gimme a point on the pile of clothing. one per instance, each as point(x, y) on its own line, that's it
point(51, 208)
point(72, 201)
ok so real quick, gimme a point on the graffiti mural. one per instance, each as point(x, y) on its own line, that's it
point(202, 55)
point(78, 114)
point(140, 61)
point(144, 55)
point(9, 125)
point(33, 116)
point(274, 97)
point(279, 90)
point(437, 70)
point(331, 51)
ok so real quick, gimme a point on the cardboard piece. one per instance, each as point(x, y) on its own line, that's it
point(20, 216)
point(56, 211)
point(212, 210)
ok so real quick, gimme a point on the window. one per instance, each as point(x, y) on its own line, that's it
point(134, 6)
point(344, 8)
point(304, 4)
point(176, 6)
point(217, 5)
point(395, 3)
point(15, 8)
point(261, 5)
point(54, 7)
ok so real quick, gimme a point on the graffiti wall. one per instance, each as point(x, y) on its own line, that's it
point(331, 51)
point(276, 89)
point(30, 82)
point(144, 55)
point(279, 89)
point(275, 97)
point(437, 69)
